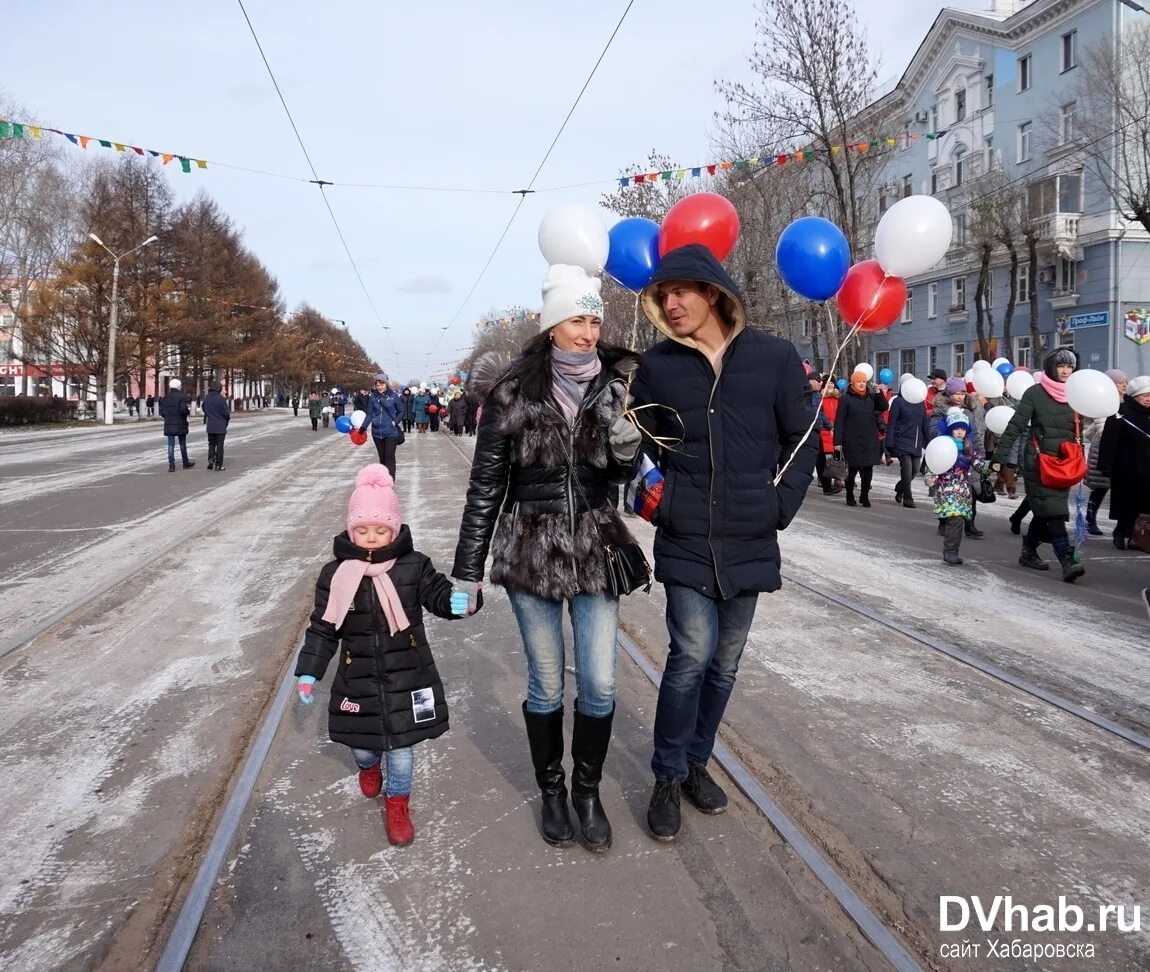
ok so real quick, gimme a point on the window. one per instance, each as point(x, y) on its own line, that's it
point(1069, 50)
point(1022, 352)
point(881, 360)
point(958, 295)
point(906, 311)
point(959, 158)
point(1024, 73)
point(932, 355)
point(1055, 194)
point(960, 105)
point(934, 183)
point(906, 362)
point(1066, 339)
point(1066, 276)
point(934, 118)
point(961, 226)
point(988, 293)
point(958, 359)
point(907, 186)
point(932, 300)
point(1024, 142)
point(1022, 284)
point(1066, 131)
point(990, 91)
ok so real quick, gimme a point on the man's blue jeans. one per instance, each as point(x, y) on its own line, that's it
point(595, 620)
point(397, 767)
point(172, 449)
point(707, 640)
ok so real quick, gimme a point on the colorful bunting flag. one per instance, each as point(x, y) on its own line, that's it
point(12, 129)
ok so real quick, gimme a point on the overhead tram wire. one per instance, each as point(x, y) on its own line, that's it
point(317, 180)
point(523, 193)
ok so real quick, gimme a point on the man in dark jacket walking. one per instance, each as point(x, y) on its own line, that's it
point(175, 407)
point(735, 398)
point(217, 415)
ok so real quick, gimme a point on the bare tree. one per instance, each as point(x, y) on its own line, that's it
point(1108, 119)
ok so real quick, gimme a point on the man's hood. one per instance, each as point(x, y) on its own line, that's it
point(693, 262)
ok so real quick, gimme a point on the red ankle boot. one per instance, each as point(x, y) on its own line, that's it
point(397, 816)
point(371, 781)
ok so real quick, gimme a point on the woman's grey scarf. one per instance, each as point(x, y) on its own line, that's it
point(572, 372)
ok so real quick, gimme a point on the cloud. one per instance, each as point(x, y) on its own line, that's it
point(427, 284)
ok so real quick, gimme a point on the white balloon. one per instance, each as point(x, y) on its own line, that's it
point(913, 390)
point(969, 376)
point(358, 418)
point(989, 383)
point(982, 365)
point(865, 368)
point(1017, 383)
point(941, 454)
point(1091, 394)
point(912, 236)
point(574, 234)
point(999, 361)
point(998, 418)
point(903, 377)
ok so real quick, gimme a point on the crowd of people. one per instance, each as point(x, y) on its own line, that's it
point(867, 423)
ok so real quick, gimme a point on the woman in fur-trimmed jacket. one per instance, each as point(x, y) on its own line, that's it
point(550, 443)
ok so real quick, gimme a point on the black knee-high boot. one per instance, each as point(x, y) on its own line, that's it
point(589, 744)
point(545, 737)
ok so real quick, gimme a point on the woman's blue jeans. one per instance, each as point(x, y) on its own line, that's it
point(707, 641)
point(398, 766)
point(595, 620)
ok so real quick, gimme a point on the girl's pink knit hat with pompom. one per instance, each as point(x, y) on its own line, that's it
point(373, 501)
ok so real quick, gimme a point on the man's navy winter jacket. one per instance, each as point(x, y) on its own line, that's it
point(720, 513)
point(217, 413)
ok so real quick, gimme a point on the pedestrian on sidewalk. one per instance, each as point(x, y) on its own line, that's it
point(217, 415)
point(1045, 421)
point(1096, 482)
point(832, 478)
point(420, 415)
point(551, 441)
point(383, 414)
point(369, 604)
point(907, 433)
point(151, 403)
point(406, 409)
point(731, 411)
point(175, 407)
point(314, 410)
point(295, 404)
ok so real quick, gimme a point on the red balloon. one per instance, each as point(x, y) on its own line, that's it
point(358, 436)
point(432, 409)
point(455, 379)
point(703, 217)
point(869, 298)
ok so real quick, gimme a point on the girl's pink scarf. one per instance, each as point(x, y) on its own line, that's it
point(346, 582)
point(1055, 389)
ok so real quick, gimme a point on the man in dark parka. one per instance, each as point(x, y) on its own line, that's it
point(735, 397)
point(175, 407)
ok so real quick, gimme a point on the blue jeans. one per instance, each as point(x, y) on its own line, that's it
point(398, 767)
point(707, 640)
point(595, 620)
point(172, 449)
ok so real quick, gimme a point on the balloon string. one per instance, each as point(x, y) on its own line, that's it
point(818, 411)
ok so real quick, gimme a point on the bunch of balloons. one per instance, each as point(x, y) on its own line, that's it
point(813, 260)
point(353, 426)
point(630, 252)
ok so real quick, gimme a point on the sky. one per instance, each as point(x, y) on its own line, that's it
point(442, 93)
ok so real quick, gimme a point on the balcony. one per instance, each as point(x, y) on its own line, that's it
point(1058, 226)
point(956, 313)
point(1063, 299)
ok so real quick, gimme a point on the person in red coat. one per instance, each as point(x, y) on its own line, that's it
point(828, 407)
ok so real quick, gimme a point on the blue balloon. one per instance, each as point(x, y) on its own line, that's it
point(1006, 369)
point(813, 257)
point(634, 252)
point(343, 424)
point(886, 377)
point(841, 384)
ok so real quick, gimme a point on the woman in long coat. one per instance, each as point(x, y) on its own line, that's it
point(551, 443)
point(419, 403)
point(1044, 418)
point(1124, 456)
point(857, 434)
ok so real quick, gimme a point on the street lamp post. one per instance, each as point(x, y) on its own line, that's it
point(109, 393)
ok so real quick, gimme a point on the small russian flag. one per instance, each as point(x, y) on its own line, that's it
point(647, 488)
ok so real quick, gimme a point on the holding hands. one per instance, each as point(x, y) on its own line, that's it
point(467, 599)
point(303, 688)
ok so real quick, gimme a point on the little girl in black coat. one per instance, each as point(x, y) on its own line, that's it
point(369, 601)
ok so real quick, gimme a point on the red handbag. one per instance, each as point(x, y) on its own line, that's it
point(1068, 468)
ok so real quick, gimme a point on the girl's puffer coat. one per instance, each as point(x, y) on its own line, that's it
point(372, 704)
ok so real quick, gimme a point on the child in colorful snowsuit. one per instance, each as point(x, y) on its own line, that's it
point(953, 494)
point(369, 604)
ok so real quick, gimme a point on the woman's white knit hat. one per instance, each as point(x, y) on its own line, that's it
point(1138, 386)
point(569, 292)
